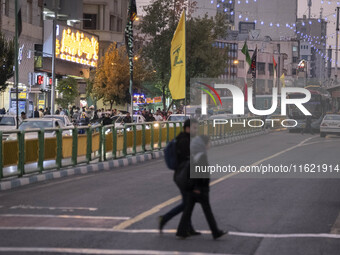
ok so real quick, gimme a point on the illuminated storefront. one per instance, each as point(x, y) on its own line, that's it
point(77, 53)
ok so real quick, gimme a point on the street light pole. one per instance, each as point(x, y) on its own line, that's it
point(16, 61)
point(54, 27)
point(336, 44)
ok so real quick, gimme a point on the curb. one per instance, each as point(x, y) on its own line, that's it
point(106, 165)
point(78, 170)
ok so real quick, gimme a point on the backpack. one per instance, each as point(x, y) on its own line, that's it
point(170, 155)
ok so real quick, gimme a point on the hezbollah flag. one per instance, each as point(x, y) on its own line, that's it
point(177, 55)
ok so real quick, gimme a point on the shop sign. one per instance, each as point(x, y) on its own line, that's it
point(77, 46)
point(157, 100)
point(149, 100)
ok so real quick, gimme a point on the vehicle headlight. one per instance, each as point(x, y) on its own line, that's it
point(156, 125)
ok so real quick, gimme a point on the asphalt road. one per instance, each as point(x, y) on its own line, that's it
point(116, 212)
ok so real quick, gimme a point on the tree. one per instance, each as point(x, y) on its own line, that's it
point(6, 61)
point(203, 59)
point(68, 88)
point(112, 78)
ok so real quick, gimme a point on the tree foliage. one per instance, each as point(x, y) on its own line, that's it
point(203, 59)
point(112, 78)
point(69, 90)
point(6, 61)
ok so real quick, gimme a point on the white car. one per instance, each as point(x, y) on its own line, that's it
point(137, 119)
point(64, 118)
point(7, 123)
point(177, 118)
point(330, 125)
point(37, 124)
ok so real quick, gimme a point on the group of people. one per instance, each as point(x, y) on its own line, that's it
point(191, 150)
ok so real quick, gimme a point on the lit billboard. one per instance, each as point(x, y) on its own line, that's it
point(76, 46)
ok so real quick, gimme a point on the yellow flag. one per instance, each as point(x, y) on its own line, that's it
point(177, 55)
point(282, 79)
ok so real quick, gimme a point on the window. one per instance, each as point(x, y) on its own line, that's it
point(245, 27)
point(271, 69)
point(112, 23)
point(295, 49)
point(90, 21)
point(261, 68)
point(119, 25)
point(295, 59)
point(115, 7)
point(29, 11)
point(241, 64)
point(7, 8)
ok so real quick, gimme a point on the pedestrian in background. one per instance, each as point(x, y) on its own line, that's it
point(197, 190)
point(190, 129)
point(36, 113)
point(308, 127)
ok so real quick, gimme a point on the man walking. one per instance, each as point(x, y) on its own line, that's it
point(308, 128)
point(190, 129)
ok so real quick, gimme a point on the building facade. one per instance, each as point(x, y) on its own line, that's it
point(31, 36)
point(102, 20)
point(107, 19)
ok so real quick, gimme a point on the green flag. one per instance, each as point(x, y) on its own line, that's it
point(246, 53)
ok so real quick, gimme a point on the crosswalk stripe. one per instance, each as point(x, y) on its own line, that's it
point(173, 231)
point(100, 251)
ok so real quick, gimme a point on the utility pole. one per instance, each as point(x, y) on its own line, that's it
point(309, 8)
point(16, 60)
point(54, 27)
point(336, 44)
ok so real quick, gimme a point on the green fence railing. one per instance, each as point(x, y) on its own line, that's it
point(48, 149)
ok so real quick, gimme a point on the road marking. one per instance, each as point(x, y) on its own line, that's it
point(65, 216)
point(100, 251)
point(53, 208)
point(145, 214)
point(298, 235)
point(157, 208)
point(173, 231)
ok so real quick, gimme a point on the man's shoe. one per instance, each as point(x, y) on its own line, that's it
point(219, 234)
point(194, 233)
point(160, 224)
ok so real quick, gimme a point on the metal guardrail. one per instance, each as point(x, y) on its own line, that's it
point(100, 143)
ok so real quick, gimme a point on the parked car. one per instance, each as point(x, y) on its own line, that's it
point(137, 119)
point(7, 123)
point(178, 117)
point(36, 123)
point(330, 125)
point(64, 118)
